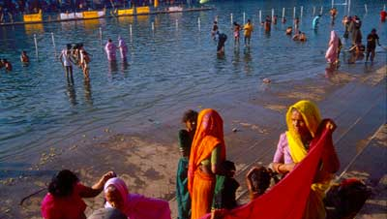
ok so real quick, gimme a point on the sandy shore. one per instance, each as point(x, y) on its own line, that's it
point(147, 157)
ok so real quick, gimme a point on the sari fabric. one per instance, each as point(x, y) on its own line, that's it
point(289, 198)
point(208, 136)
point(69, 207)
point(312, 118)
point(123, 48)
point(138, 206)
point(110, 49)
point(331, 54)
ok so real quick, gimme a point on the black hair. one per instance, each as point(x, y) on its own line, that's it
point(62, 184)
point(229, 166)
point(68, 46)
point(260, 179)
point(109, 40)
point(189, 115)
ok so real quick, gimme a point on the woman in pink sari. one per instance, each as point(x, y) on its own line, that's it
point(134, 206)
point(110, 49)
point(331, 54)
point(123, 48)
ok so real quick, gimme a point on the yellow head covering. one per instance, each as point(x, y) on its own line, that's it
point(312, 118)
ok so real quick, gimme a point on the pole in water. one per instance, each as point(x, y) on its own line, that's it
point(231, 18)
point(244, 17)
point(302, 11)
point(272, 13)
point(384, 7)
point(283, 12)
point(130, 30)
point(177, 24)
point(199, 23)
point(153, 26)
point(100, 32)
point(294, 12)
point(366, 9)
point(53, 40)
point(314, 10)
point(36, 45)
point(349, 6)
point(321, 10)
point(260, 16)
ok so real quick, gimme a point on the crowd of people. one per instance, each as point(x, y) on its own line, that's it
point(352, 28)
point(205, 183)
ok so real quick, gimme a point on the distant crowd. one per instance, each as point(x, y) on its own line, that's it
point(9, 9)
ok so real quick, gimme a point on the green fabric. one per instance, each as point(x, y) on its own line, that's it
point(215, 157)
point(224, 193)
point(182, 195)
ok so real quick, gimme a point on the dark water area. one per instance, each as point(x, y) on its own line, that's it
point(175, 62)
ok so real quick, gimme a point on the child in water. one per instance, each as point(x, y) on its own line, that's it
point(237, 29)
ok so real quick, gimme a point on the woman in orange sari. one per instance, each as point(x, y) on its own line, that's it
point(208, 151)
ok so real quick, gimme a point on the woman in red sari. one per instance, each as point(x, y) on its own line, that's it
point(208, 151)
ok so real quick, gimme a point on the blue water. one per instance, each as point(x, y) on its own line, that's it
point(169, 65)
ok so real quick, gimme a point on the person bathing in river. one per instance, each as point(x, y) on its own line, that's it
point(123, 48)
point(110, 49)
point(24, 57)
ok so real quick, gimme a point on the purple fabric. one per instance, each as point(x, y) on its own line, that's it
point(282, 155)
point(110, 49)
point(123, 48)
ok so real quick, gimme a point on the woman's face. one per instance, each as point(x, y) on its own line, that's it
point(299, 124)
point(114, 198)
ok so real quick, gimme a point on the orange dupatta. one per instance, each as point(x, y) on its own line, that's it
point(208, 135)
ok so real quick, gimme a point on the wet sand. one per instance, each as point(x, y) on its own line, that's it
point(144, 151)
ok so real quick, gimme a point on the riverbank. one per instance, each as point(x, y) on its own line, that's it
point(143, 150)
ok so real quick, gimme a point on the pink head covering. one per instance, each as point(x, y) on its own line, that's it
point(120, 185)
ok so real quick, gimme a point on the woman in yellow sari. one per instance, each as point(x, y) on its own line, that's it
point(303, 120)
point(208, 151)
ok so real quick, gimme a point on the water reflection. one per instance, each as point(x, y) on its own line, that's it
point(87, 90)
point(71, 94)
point(113, 68)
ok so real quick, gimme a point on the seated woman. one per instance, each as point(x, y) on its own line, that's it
point(134, 206)
point(65, 193)
point(303, 121)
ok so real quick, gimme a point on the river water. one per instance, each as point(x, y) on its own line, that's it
point(173, 63)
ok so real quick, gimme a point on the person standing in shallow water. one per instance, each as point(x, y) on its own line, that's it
point(185, 138)
point(372, 39)
point(67, 63)
point(123, 48)
point(248, 29)
point(110, 49)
